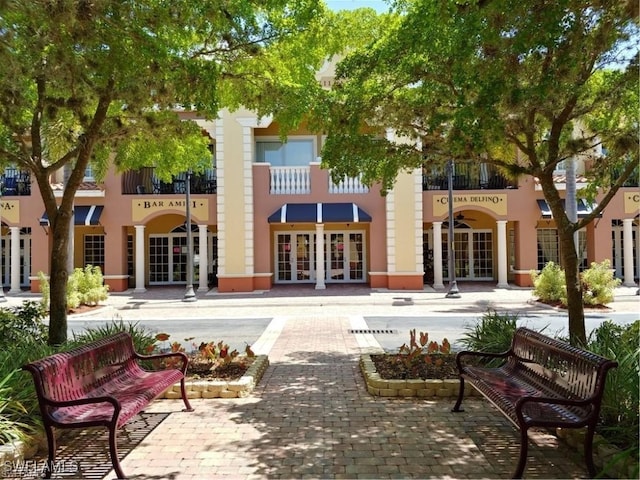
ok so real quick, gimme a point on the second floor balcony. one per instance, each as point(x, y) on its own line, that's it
point(467, 177)
point(145, 182)
point(14, 182)
point(297, 180)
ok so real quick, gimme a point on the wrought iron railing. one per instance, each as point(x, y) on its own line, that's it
point(467, 177)
point(14, 182)
point(144, 182)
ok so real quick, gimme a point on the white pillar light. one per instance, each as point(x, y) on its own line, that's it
point(437, 255)
point(627, 252)
point(15, 260)
point(502, 254)
point(139, 288)
point(320, 271)
point(204, 258)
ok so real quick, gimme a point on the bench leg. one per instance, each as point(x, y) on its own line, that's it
point(524, 447)
point(456, 407)
point(51, 445)
point(588, 451)
point(113, 451)
point(183, 390)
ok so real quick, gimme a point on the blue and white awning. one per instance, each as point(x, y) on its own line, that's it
point(83, 215)
point(584, 208)
point(319, 213)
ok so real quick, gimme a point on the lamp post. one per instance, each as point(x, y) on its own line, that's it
point(453, 286)
point(189, 294)
point(2, 297)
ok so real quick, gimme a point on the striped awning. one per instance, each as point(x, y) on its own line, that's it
point(83, 215)
point(319, 213)
point(584, 208)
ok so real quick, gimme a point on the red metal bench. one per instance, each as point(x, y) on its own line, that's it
point(101, 384)
point(541, 382)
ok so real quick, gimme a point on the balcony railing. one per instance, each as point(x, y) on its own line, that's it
point(15, 183)
point(468, 177)
point(144, 182)
point(289, 180)
point(348, 185)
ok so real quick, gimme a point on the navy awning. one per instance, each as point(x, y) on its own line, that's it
point(584, 208)
point(83, 215)
point(319, 213)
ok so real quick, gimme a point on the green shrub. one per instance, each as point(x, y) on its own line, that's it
point(549, 284)
point(15, 421)
point(620, 409)
point(493, 333)
point(598, 284)
point(22, 324)
point(144, 340)
point(84, 287)
point(44, 290)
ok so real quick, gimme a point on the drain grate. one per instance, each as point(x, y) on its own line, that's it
point(364, 331)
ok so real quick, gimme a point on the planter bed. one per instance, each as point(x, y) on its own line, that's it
point(206, 388)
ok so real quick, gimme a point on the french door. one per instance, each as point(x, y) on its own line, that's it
point(295, 257)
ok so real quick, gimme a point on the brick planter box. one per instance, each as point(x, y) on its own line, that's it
point(223, 389)
point(408, 388)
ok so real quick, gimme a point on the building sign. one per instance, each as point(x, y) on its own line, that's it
point(10, 211)
point(631, 202)
point(142, 208)
point(496, 203)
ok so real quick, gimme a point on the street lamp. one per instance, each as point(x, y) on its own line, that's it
point(453, 286)
point(2, 297)
point(189, 294)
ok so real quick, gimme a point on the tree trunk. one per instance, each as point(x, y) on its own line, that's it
point(577, 329)
point(58, 277)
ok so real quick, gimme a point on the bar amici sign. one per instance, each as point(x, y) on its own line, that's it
point(631, 202)
point(10, 212)
point(141, 209)
point(495, 203)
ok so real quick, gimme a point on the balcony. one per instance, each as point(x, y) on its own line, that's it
point(144, 182)
point(15, 183)
point(468, 177)
point(297, 180)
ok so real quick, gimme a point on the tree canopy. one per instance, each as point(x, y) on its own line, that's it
point(520, 85)
point(89, 82)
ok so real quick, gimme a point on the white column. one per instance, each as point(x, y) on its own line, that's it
point(15, 259)
point(204, 261)
point(437, 255)
point(502, 254)
point(140, 273)
point(627, 251)
point(320, 285)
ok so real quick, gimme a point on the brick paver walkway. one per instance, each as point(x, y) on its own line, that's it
point(311, 417)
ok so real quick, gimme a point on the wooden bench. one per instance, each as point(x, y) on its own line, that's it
point(540, 382)
point(101, 384)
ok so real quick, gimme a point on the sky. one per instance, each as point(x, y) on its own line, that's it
point(378, 5)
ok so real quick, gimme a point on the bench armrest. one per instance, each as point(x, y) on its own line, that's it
point(521, 403)
point(47, 402)
point(159, 356)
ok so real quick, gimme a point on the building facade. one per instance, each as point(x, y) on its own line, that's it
point(266, 214)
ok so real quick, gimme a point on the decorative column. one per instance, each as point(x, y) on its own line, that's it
point(320, 285)
point(204, 260)
point(437, 255)
point(15, 259)
point(502, 254)
point(140, 273)
point(627, 251)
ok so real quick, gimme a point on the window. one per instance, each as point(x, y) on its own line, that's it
point(294, 153)
point(548, 247)
point(89, 174)
point(94, 250)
